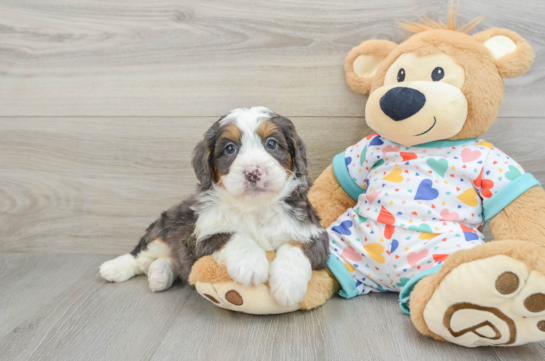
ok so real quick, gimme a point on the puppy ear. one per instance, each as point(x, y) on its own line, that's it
point(203, 158)
point(362, 63)
point(298, 153)
point(512, 54)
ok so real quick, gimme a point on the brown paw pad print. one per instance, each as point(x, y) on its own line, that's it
point(535, 303)
point(234, 297)
point(507, 283)
point(510, 325)
point(211, 298)
point(231, 296)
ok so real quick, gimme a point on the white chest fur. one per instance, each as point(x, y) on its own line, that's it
point(269, 226)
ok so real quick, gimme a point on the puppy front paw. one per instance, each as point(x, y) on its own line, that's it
point(250, 268)
point(288, 277)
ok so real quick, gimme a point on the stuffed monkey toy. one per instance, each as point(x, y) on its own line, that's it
point(404, 207)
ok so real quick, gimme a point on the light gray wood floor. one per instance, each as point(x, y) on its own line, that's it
point(101, 104)
point(56, 307)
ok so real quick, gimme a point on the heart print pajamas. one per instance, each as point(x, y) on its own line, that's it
point(415, 206)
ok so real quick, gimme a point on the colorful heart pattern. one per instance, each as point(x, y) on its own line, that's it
point(394, 176)
point(419, 206)
point(426, 191)
point(414, 257)
point(439, 166)
point(343, 228)
point(449, 216)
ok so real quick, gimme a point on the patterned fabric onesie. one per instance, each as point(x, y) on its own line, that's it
point(416, 206)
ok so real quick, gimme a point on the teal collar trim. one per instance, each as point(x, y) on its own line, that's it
point(344, 277)
point(405, 294)
point(441, 143)
point(344, 178)
point(508, 194)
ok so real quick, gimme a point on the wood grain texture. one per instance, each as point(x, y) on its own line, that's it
point(92, 185)
point(91, 319)
point(201, 58)
point(87, 318)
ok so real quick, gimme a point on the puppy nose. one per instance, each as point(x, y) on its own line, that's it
point(253, 173)
point(401, 103)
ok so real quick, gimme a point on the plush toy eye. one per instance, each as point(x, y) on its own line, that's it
point(230, 149)
point(437, 74)
point(271, 144)
point(401, 75)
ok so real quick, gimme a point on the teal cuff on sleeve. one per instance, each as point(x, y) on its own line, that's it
point(343, 177)
point(508, 194)
point(405, 294)
point(344, 277)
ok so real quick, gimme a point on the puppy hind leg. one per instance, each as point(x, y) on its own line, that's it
point(161, 274)
point(120, 269)
point(125, 267)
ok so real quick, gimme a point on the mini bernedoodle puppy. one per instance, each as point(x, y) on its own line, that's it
point(252, 198)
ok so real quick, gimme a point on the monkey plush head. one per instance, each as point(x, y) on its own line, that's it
point(440, 84)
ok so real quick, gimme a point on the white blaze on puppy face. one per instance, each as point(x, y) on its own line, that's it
point(256, 172)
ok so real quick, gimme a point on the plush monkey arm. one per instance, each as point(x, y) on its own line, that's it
point(328, 197)
point(523, 219)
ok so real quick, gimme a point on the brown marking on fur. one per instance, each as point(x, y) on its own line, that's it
point(529, 253)
point(231, 132)
point(535, 303)
point(210, 298)
point(496, 312)
point(297, 244)
point(328, 197)
point(541, 325)
point(266, 128)
point(507, 283)
point(160, 240)
point(218, 175)
point(234, 297)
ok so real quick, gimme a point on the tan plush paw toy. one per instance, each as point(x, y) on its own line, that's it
point(404, 207)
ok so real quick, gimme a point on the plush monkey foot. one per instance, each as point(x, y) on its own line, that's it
point(214, 283)
point(493, 295)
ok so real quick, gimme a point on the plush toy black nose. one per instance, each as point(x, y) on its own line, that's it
point(400, 103)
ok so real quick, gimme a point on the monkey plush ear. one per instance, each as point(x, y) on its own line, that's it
point(362, 63)
point(512, 54)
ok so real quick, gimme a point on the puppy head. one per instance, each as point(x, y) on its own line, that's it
point(251, 153)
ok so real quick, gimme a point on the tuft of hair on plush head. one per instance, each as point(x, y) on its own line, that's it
point(428, 24)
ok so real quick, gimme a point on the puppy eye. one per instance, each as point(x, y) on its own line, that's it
point(271, 144)
point(230, 149)
point(437, 74)
point(401, 75)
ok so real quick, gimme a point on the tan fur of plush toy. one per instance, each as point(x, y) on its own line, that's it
point(211, 278)
point(519, 229)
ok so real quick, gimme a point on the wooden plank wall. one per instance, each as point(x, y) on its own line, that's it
point(102, 102)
